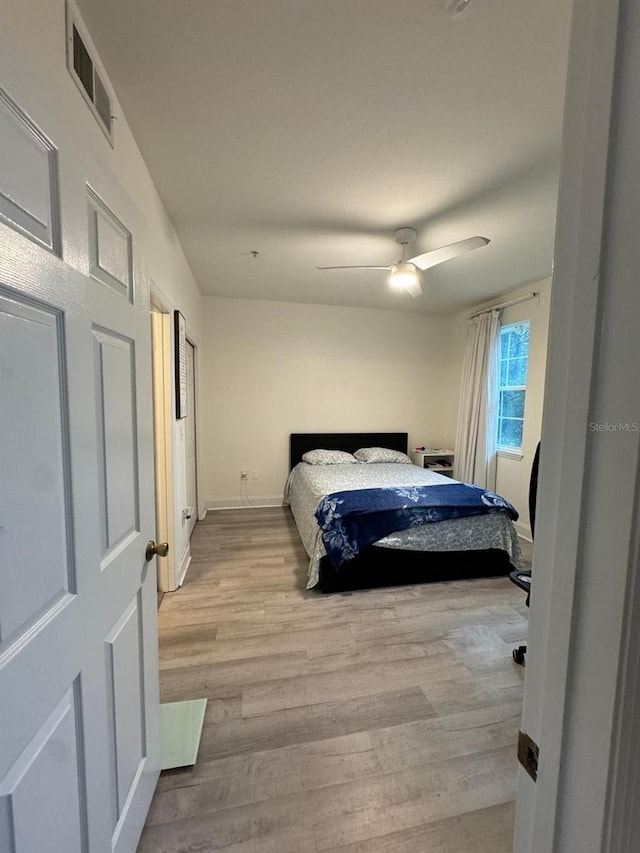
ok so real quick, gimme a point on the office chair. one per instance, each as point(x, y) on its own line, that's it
point(522, 579)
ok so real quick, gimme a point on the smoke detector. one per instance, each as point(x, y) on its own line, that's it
point(456, 8)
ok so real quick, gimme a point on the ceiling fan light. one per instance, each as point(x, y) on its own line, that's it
point(403, 275)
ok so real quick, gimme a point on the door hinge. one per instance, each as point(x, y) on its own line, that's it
point(528, 754)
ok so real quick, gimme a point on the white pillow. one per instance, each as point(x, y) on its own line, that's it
point(327, 457)
point(381, 454)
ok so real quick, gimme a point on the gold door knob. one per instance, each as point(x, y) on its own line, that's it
point(153, 550)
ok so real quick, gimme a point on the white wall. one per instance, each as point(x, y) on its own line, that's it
point(513, 474)
point(275, 368)
point(44, 89)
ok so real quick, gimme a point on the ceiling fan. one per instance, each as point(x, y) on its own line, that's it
point(404, 273)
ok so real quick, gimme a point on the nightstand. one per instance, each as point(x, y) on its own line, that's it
point(436, 459)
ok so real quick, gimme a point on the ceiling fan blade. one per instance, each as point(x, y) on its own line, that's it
point(439, 256)
point(414, 289)
point(351, 267)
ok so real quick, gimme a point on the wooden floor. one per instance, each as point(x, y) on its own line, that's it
point(381, 720)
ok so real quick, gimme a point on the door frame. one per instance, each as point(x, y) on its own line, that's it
point(173, 574)
point(163, 413)
point(196, 432)
point(583, 670)
point(201, 506)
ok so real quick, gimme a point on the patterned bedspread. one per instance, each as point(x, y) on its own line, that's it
point(309, 484)
point(351, 519)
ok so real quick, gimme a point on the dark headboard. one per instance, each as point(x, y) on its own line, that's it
point(300, 442)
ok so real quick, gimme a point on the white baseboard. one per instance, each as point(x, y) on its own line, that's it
point(524, 530)
point(184, 567)
point(239, 503)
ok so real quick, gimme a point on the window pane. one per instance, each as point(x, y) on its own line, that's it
point(504, 343)
point(519, 344)
point(514, 356)
point(510, 432)
point(512, 404)
point(517, 373)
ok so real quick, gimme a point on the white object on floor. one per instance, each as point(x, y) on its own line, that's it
point(181, 728)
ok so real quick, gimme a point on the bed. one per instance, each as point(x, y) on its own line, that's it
point(474, 546)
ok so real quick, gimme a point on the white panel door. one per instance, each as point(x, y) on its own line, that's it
point(78, 642)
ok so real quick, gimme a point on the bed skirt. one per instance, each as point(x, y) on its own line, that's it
point(377, 567)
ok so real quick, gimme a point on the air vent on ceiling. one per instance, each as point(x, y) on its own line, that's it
point(82, 67)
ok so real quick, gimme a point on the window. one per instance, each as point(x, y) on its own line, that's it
point(513, 364)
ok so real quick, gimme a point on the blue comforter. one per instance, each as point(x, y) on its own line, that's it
point(352, 519)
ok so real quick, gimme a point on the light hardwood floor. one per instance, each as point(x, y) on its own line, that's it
point(381, 721)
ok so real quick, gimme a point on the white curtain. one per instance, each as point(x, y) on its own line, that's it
point(476, 432)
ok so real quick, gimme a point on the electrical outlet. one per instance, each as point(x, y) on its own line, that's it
point(256, 474)
point(244, 475)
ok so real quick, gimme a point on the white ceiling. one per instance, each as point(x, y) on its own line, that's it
point(308, 130)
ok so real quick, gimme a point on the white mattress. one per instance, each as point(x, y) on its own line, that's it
point(308, 484)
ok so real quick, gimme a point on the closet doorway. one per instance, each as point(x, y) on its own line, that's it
point(191, 447)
